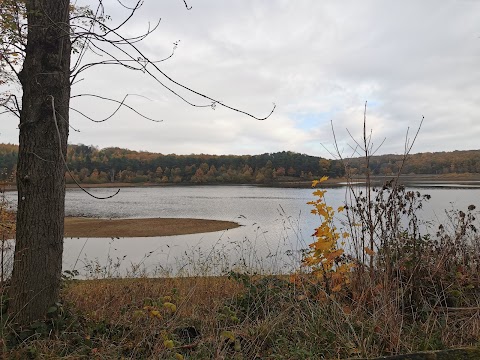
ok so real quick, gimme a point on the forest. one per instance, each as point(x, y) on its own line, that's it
point(91, 165)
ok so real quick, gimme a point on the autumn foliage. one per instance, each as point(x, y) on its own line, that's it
point(326, 257)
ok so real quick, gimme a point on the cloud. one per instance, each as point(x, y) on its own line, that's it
point(317, 61)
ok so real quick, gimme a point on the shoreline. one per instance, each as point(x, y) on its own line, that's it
point(427, 180)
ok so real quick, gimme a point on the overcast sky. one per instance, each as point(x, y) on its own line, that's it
point(318, 61)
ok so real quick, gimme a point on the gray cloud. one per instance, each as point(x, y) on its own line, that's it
point(318, 61)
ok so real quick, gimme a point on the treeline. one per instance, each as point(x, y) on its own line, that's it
point(92, 165)
point(89, 164)
point(453, 162)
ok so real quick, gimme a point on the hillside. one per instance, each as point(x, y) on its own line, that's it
point(91, 165)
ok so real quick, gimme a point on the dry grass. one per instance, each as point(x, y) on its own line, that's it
point(197, 297)
point(252, 317)
point(104, 228)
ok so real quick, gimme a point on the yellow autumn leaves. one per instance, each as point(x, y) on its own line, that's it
point(158, 310)
point(325, 256)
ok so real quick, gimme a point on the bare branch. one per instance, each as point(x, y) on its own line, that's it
point(379, 146)
point(122, 62)
point(14, 111)
point(121, 103)
point(39, 157)
point(354, 140)
point(66, 122)
point(155, 68)
point(326, 149)
point(126, 6)
point(6, 100)
point(186, 5)
point(65, 162)
point(83, 48)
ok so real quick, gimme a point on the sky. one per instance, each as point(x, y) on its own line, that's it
point(319, 62)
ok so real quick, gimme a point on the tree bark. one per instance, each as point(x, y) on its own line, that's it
point(45, 77)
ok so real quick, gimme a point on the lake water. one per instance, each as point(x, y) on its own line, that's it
point(276, 225)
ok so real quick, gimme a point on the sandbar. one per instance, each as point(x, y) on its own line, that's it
point(78, 227)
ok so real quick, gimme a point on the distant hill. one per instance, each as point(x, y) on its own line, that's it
point(90, 164)
point(453, 162)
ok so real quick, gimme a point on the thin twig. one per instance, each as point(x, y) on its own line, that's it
point(120, 104)
point(65, 162)
point(186, 5)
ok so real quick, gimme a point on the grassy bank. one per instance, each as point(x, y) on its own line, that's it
point(234, 317)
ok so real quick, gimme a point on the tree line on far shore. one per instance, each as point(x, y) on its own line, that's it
point(89, 164)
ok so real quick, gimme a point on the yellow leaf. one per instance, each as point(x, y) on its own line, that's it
point(369, 251)
point(179, 356)
point(155, 313)
point(168, 344)
point(308, 261)
point(323, 245)
point(228, 335)
point(340, 208)
point(170, 306)
point(335, 254)
point(319, 192)
point(324, 178)
point(323, 212)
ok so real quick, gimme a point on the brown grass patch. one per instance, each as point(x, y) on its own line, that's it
point(88, 227)
point(195, 297)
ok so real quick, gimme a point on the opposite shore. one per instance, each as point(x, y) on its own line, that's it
point(435, 180)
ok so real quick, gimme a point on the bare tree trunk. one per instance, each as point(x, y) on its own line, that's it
point(45, 79)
